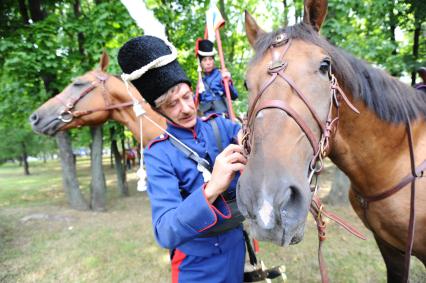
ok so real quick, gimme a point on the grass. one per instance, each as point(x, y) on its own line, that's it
point(118, 245)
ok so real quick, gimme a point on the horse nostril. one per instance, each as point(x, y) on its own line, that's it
point(34, 119)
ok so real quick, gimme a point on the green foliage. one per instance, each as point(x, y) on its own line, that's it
point(39, 58)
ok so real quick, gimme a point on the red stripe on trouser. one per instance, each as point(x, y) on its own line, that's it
point(177, 259)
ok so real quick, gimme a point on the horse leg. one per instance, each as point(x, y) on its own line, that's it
point(394, 260)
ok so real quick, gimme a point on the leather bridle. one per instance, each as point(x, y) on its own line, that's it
point(69, 113)
point(277, 69)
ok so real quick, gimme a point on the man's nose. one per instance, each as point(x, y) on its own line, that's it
point(185, 107)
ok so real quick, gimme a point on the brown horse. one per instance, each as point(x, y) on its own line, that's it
point(92, 99)
point(294, 121)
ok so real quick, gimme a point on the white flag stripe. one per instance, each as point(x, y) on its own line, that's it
point(145, 18)
point(214, 20)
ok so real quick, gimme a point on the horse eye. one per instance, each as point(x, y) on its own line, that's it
point(325, 66)
point(79, 82)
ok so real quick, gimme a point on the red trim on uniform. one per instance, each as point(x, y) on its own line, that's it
point(212, 208)
point(194, 134)
point(213, 115)
point(256, 245)
point(177, 259)
point(157, 140)
point(227, 207)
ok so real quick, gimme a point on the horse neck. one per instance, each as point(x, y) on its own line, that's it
point(127, 117)
point(373, 153)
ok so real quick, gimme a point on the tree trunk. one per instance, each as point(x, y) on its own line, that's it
point(122, 184)
point(285, 20)
point(23, 12)
point(392, 28)
point(69, 174)
point(97, 184)
point(123, 153)
point(339, 189)
point(25, 159)
point(416, 38)
point(80, 35)
point(36, 12)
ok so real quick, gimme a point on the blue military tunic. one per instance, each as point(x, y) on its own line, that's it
point(212, 99)
point(179, 219)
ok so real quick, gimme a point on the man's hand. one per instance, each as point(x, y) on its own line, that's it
point(229, 161)
point(226, 74)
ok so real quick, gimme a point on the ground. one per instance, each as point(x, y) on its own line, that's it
point(41, 240)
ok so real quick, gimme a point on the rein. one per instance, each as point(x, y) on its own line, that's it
point(320, 146)
point(69, 114)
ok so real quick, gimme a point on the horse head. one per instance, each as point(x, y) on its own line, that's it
point(291, 95)
point(83, 102)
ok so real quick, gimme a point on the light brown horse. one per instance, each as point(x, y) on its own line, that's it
point(92, 99)
point(294, 121)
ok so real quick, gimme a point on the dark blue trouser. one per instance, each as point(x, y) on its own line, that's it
point(227, 267)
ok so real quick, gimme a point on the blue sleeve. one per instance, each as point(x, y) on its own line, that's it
point(175, 220)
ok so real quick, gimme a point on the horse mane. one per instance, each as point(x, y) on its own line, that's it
point(390, 99)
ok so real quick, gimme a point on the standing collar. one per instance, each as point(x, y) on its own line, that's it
point(214, 72)
point(184, 133)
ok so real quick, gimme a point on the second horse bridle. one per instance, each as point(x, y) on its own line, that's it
point(69, 113)
point(277, 69)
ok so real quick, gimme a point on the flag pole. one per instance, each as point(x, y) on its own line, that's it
point(226, 79)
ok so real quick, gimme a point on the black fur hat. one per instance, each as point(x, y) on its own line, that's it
point(205, 48)
point(139, 52)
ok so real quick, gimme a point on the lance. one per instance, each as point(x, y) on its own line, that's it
point(225, 79)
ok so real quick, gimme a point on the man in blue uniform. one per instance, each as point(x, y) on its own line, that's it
point(191, 213)
point(212, 96)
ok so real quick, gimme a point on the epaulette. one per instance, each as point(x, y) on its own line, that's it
point(211, 116)
point(160, 138)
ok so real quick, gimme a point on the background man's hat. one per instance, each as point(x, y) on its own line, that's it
point(204, 48)
point(141, 52)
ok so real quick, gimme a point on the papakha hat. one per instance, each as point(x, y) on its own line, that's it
point(150, 64)
point(205, 48)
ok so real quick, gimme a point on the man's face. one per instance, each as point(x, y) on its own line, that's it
point(180, 107)
point(207, 64)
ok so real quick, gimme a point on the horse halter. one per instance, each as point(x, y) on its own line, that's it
point(68, 114)
point(277, 69)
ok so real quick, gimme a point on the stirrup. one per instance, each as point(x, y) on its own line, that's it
point(261, 273)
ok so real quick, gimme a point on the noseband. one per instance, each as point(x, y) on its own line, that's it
point(69, 113)
point(277, 69)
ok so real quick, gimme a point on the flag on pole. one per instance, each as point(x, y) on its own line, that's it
point(214, 21)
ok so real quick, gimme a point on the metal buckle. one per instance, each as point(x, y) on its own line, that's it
point(280, 39)
point(277, 66)
point(68, 116)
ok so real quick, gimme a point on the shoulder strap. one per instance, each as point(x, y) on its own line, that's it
point(216, 132)
point(192, 155)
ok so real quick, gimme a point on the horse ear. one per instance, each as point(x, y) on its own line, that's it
point(253, 30)
point(315, 12)
point(103, 63)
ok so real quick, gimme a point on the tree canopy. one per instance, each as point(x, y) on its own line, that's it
point(44, 44)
